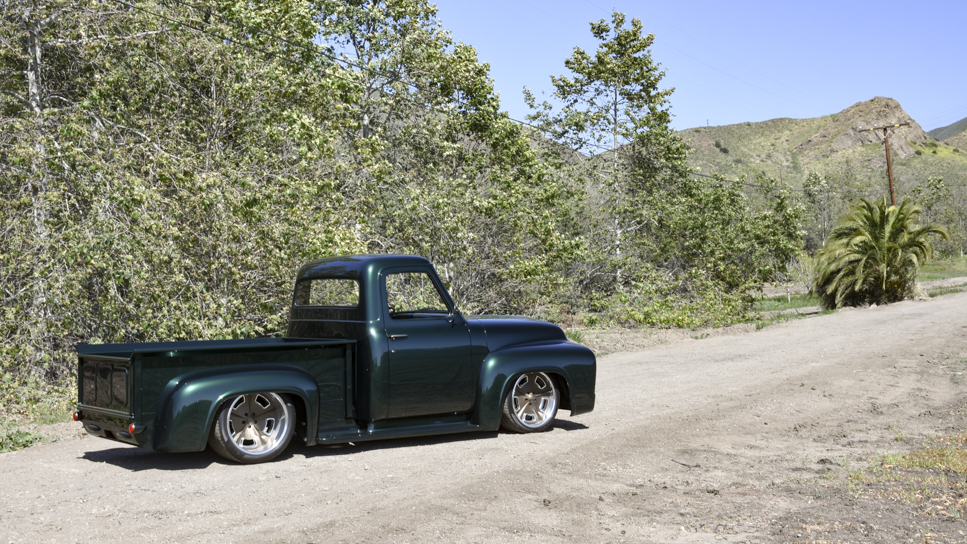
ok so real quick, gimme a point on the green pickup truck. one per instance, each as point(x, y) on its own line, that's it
point(375, 349)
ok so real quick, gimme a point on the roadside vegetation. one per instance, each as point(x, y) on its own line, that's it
point(929, 477)
point(781, 303)
point(13, 438)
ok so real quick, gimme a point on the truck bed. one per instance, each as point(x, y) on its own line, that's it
point(121, 384)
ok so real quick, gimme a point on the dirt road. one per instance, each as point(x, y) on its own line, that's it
point(727, 438)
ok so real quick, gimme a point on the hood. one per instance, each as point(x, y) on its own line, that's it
point(503, 331)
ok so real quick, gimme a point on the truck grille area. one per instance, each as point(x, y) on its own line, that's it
point(105, 385)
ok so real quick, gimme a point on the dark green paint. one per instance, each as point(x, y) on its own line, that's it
point(190, 402)
point(350, 381)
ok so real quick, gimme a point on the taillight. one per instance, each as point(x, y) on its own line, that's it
point(78, 416)
point(131, 428)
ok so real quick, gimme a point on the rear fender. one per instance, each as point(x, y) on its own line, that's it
point(190, 401)
point(572, 363)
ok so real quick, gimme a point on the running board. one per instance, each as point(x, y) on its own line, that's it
point(356, 434)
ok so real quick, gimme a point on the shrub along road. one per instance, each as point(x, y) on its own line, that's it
point(750, 436)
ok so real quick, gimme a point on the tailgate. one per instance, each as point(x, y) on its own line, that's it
point(104, 384)
point(104, 387)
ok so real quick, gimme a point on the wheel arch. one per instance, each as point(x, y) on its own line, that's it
point(190, 402)
point(572, 366)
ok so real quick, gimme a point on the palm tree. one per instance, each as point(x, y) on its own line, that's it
point(873, 255)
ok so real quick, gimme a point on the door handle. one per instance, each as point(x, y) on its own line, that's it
point(395, 337)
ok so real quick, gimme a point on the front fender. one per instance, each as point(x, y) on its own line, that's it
point(189, 402)
point(573, 363)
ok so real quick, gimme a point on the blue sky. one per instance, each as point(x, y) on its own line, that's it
point(737, 61)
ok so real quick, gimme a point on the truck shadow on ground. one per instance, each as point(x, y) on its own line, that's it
point(136, 459)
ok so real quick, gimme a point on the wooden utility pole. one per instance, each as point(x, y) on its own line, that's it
point(889, 163)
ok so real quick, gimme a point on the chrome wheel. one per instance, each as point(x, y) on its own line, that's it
point(531, 404)
point(257, 423)
point(253, 427)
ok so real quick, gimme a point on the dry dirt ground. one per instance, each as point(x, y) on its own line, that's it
point(747, 436)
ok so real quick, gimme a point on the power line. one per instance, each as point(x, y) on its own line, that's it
point(957, 109)
point(735, 101)
point(666, 44)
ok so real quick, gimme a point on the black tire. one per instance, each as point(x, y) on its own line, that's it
point(253, 428)
point(530, 404)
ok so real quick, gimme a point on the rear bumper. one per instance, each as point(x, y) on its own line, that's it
point(107, 424)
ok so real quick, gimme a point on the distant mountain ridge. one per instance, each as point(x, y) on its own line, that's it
point(832, 146)
point(949, 131)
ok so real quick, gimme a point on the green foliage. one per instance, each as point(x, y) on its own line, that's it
point(168, 190)
point(458, 184)
point(873, 255)
point(776, 148)
point(943, 205)
point(613, 95)
point(575, 336)
point(14, 439)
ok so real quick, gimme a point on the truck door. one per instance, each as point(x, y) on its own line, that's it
point(429, 344)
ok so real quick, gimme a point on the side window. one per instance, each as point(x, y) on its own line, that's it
point(412, 293)
point(332, 292)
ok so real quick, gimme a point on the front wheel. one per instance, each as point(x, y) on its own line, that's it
point(531, 404)
point(253, 428)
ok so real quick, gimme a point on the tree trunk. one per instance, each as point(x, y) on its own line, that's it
point(614, 180)
point(34, 51)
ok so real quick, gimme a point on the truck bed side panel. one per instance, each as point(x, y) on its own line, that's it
point(162, 368)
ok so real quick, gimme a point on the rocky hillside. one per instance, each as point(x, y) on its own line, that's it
point(832, 146)
point(849, 128)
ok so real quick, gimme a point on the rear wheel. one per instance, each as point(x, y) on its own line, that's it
point(253, 428)
point(531, 404)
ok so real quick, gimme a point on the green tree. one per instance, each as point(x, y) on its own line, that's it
point(613, 101)
point(820, 201)
point(944, 206)
point(873, 255)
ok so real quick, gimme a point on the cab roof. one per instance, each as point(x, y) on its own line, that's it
point(354, 266)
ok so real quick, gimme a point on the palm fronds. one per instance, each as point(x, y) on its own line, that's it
point(873, 255)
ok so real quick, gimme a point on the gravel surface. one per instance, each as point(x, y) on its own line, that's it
point(710, 439)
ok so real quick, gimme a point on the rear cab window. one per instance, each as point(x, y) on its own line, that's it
point(328, 292)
